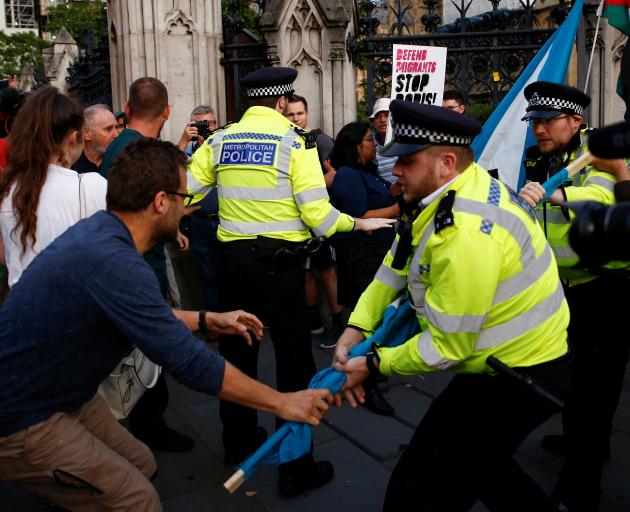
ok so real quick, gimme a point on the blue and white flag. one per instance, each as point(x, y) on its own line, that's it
point(502, 142)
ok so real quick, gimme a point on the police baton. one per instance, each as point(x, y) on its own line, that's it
point(523, 379)
point(565, 174)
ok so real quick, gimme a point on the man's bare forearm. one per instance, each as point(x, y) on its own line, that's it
point(243, 390)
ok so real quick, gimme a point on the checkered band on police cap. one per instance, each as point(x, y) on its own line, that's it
point(551, 103)
point(421, 135)
point(270, 90)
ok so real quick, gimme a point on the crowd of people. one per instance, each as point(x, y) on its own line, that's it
point(269, 206)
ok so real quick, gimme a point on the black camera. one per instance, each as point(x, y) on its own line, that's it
point(600, 233)
point(202, 129)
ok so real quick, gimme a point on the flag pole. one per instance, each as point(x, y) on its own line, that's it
point(599, 12)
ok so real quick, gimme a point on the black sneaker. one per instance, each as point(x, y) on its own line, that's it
point(295, 481)
point(167, 440)
point(314, 320)
point(236, 456)
point(332, 336)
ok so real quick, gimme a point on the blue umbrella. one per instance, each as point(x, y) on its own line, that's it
point(293, 440)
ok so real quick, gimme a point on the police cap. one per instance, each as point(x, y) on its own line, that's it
point(267, 82)
point(417, 126)
point(547, 100)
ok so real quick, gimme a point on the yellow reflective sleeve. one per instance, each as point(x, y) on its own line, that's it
point(309, 191)
point(370, 308)
point(403, 359)
point(200, 173)
point(597, 186)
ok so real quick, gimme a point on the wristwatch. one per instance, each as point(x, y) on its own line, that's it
point(203, 326)
point(369, 362)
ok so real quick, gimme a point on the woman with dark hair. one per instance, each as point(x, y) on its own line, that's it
point(359, 191)
point(40, 197)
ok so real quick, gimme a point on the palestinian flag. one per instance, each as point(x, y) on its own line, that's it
point(617, 12)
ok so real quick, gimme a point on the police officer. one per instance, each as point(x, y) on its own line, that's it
point(482, 281)
point(271, 191)
point(597, 327)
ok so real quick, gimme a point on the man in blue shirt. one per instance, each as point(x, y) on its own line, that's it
point(77, 310)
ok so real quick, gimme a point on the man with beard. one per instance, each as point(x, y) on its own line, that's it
point(482, 281)
point(78, 308)
point(99, 130)
point(555, 115)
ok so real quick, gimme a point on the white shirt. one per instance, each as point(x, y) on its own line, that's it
point(57, 210)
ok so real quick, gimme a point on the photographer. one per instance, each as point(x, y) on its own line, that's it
point(203, 121)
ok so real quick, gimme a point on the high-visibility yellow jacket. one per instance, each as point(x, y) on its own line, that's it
point(269, 183)
point(590, 184)
point(487, 284)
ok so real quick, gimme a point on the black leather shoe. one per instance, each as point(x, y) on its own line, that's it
point(557, 443)
point(168, 440)
point(238, 455)
point(295, 481)
point(554, 443)
point(375, 402)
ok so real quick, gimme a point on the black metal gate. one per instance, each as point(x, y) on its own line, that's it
point(486, 53)
point(243, 51)
point(89, 76)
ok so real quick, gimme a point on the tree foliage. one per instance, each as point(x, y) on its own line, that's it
point(19, 49)
point(77, 16)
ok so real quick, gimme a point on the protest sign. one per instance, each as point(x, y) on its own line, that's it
point(418, 73)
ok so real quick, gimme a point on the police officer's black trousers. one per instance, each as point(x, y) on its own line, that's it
point(598, 333)
point(255, 278)
point(462, 451)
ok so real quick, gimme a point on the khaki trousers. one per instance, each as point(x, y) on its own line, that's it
point(83, 460)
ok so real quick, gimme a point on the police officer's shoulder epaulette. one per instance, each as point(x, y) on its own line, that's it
point(444, 214)
point(310, 138)
point(219, 129)
point(533, 152)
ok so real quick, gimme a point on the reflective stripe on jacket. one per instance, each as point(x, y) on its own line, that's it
point(488, 284)
point(268, 182)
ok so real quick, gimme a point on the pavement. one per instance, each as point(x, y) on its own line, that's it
point(363, 447)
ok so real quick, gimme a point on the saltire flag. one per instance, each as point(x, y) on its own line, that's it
point(617, 12)
point(504, 137)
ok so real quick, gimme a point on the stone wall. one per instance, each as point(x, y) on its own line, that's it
point(310, 36)
point(176, 41)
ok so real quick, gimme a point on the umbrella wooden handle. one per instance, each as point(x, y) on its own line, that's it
point(235, 481)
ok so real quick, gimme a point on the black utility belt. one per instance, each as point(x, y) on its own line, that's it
point(264, 242)
point(205, 215)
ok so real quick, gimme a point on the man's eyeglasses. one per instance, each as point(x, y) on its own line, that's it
point(187, 197)
point(532, 123)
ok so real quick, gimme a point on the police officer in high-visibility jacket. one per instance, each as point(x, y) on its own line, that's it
point(271, 192)
point(483, 281)
point(596, 331)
